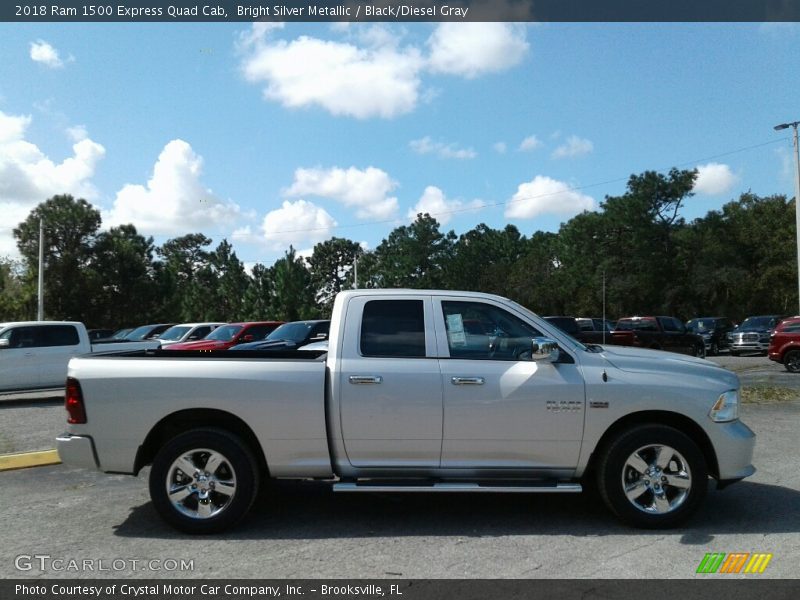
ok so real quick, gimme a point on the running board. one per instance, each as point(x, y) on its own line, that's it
point(572, 488)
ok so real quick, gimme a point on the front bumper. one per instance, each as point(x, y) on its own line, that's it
point(733, 443)
point(740, 344)
point(77, 451)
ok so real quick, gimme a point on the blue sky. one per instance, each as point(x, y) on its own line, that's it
point(268, 136)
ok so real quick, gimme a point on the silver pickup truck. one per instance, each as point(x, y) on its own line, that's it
point(420, 391)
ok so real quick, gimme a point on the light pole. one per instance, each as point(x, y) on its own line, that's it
point(796, 190)
point(40, 304)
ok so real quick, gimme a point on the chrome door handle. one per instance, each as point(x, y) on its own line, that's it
point(467, 380)
point(365, 379)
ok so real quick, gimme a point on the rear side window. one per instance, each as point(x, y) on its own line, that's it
point(392, 328)
point(59, 335)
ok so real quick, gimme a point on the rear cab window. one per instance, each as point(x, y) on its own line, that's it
point(393, 328)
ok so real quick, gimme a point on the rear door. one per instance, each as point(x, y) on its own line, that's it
point(57, 344)
point(390, 384)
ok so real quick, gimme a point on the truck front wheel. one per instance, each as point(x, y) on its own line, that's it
point(792, 361)
point(203, 481)
point(653, 476)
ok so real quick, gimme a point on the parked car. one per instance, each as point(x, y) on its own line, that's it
point(403, 403)
point(583, 334)
point(186, 332)
point(658, 333)
point(784, 344)
point(34, 354)
point(714, 331)
point(99, 334)
point(120, 334)
point(145, 332)
point(752, 336)
point(230, 335)
point(290, 336)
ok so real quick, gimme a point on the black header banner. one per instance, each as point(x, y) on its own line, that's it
point(401, 10)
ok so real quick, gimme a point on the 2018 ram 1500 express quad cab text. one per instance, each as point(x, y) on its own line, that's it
point(409, 399)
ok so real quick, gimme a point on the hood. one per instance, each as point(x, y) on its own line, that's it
point(642, 360)
point(200, 345)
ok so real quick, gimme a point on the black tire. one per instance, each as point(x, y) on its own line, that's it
point(235, 469)
point(792, 361)
point(674, 503)
point(700, 351)
point(714, 350)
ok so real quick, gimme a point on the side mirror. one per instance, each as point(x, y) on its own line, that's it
point(320, 337)
point(5, 343)
point(544, 350)
point(192, 338)
point(248, 338)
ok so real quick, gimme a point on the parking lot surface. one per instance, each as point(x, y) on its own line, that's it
point(304, 530)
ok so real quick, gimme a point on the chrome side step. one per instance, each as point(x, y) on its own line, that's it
point(572, 488)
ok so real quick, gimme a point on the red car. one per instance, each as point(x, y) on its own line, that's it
point(784, 344)
point(229, 335)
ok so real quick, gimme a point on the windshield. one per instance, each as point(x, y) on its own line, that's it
point(225, 333)
point(292, 332)
point(174, 333)
point(700, 325)
point(139, 333)
point(757, 324)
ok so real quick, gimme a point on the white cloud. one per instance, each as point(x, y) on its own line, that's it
point(435, 203)
point(43, 53)
point(380, 80)
point(500, 147)
point(530, 143)
point(427, 146)
point(574, 146)
point(297, 223)
point(365, 190)
point(473, 49)
point(174, 201)
point(544, 195)
point(714, 179)
point(28, 176)
point(77, 133)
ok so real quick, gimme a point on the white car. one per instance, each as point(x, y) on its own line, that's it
point(186, 332)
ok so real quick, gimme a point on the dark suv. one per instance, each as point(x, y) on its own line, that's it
point(714, 331)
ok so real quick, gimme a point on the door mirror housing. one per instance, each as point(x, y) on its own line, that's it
point(544, 350)
point(5, 343)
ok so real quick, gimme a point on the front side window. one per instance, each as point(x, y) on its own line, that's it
point(22, 337)
point(224, 333)
point(393, 328)
point(484, 331)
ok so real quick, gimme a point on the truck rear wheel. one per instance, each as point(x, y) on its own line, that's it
point(203, 481)
point(653, 476)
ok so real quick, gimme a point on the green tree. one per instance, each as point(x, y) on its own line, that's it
point(258, 295)
point(226, 298)
point(331, 269)
point(17, 299)
point(183, 275)
point(70, 229)
point(293, 295)
point(484, 258)
point(122, 265)
point(414, 256)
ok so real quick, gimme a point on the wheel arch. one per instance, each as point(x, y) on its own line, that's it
point(657, 417)
point(186, 420)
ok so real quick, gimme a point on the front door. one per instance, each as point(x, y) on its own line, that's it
point(502, 410)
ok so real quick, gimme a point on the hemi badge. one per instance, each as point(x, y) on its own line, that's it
point(594, 404)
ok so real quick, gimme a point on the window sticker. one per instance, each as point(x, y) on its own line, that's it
point(455, 330)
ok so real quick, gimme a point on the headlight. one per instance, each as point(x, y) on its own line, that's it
point(726, 408)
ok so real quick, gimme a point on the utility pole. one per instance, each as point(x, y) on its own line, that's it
point(40, 309)
point(796, 193)
point(355, 272)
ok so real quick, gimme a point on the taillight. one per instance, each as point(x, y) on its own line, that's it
point(73, 402)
